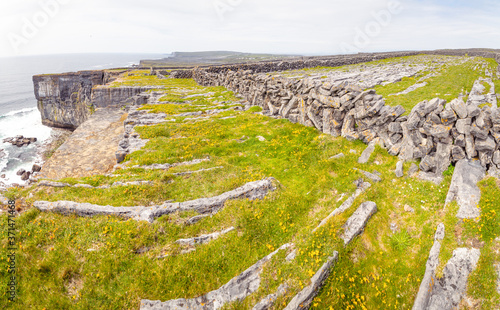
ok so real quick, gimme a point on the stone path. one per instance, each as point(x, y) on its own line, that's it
point(90, 150)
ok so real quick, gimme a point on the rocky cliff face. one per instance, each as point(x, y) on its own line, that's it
point(64, 100)
point(67, 100)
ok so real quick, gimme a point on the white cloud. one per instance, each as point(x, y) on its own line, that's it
point(279, 26)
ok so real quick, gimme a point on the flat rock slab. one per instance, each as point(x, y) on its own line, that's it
point(365, 156)
point(305, 297)
point(464, 187)
point(238, 288)
point(251, 191)
point(424, 292)
point(268, 301)
point(90, 149)
point(410, 89)
point(345, 205)
point(357, 222)
point(203, 238)
point(448, 291)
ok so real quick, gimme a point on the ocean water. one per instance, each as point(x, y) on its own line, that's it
point(18, 112)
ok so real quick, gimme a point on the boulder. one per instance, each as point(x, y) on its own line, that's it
point(463, 125)
point(457, 153)
point(459, 107)
point(25, 176)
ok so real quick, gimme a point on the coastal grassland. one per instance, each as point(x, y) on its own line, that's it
point(451, 81)
point(104, 262)
point(431, 60)
point(485, 232)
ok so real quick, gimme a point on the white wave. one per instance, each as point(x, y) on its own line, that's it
point(22, 111)
point(26, 122)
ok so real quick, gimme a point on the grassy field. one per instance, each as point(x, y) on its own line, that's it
point(70, 262)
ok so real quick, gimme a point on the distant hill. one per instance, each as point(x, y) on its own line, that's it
point(189, 59)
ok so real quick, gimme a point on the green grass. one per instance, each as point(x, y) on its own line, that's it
point(451, 81)
point(93, 263)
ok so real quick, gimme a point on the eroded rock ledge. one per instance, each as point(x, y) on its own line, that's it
point(204, 206)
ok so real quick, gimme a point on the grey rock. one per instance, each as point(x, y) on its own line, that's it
point(470, 146)
point(457, 153)
point(340, 155)
point(464, 188)
point(478, 132)
point(252, 190)
point(486, 145)
point(430, 177)
point(399, 169)
point(268, 301)
point(395, 127)
point(196, 171)
point(346, 204)
point(25, 176)
point(305, 297)
point(237, 289)
point(442, 157)
point(168, 166)
point(448, 117)
point(424, 292)
point(371, 176)
point(203, 238)
point(365, 156)
point(48, 183)
point(448, 291)
point(413, 169)
point(496, 158)
point(357, 222)
point(428, 164)
point(459, 107)
point(410, 89)
point(290, 257)
point(463, 125)
point(460, 141)
point(36, 168)
point(473, 111)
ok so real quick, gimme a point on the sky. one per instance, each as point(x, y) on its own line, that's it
point(313, 27)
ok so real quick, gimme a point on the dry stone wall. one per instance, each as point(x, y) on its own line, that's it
point(437, 132)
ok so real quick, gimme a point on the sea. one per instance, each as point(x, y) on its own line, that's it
point(18, 107)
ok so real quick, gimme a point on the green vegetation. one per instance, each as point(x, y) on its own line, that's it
point(110, 263)
point(453, 79)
